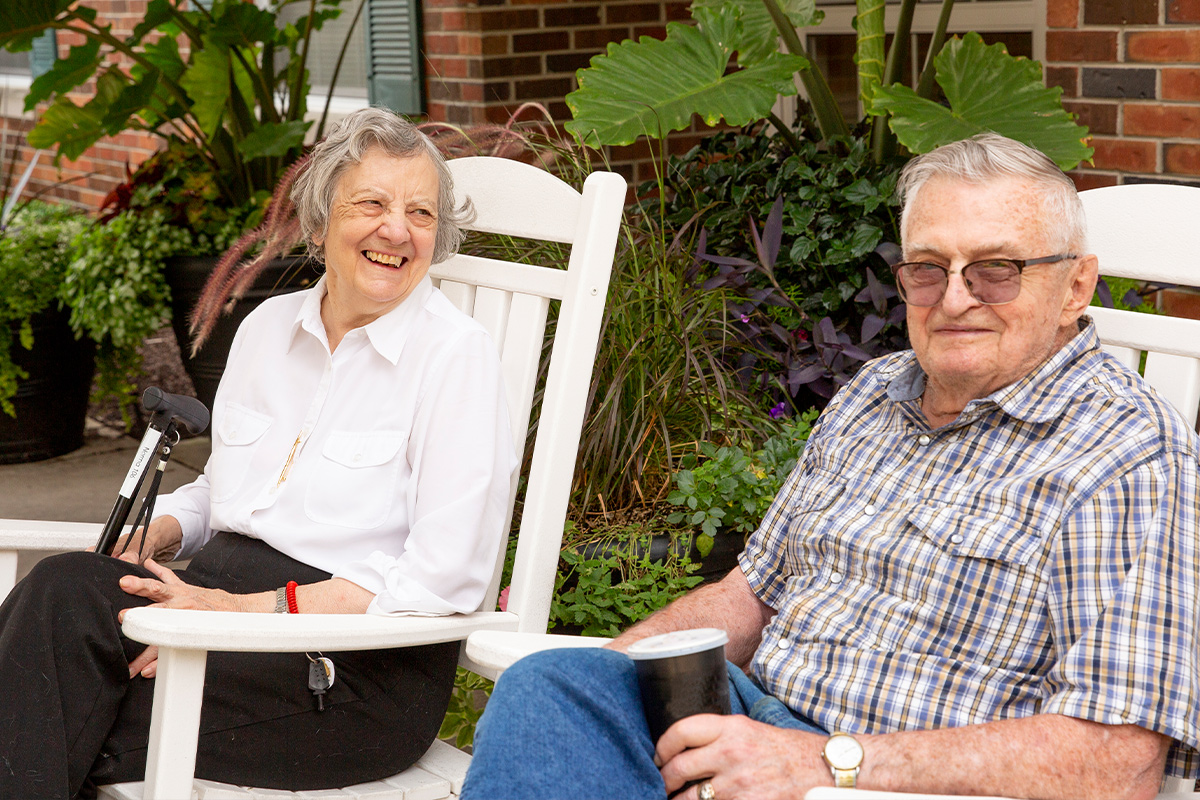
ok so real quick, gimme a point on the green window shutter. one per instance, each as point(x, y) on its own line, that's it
point(44, 53)
point(393, 55)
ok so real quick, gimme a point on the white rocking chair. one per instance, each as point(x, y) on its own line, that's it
point(511, 300)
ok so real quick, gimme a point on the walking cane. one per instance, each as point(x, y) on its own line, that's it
point(161, 436)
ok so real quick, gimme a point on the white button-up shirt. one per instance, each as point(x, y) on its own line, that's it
point(388, 462)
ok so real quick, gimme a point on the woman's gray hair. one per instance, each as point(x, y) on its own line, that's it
point(361, 131)
point(989, 156)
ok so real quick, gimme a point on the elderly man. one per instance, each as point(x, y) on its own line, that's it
point(984, 568)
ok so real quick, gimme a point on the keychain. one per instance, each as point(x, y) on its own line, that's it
point(320, 677)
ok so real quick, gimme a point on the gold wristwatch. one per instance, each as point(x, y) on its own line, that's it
point(844, 755)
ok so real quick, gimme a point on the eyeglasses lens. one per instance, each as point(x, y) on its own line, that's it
point(989, 282)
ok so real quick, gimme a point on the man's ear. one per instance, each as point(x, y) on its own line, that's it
point(1081, 287)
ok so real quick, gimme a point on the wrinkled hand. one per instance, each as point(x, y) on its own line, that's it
point(741, 758)
point(168, 591)
point(163, 541)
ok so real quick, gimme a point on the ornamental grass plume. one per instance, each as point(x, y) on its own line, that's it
point(278, 234)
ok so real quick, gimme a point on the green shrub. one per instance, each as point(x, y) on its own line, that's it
point(838, 206)
point(732, 489)
point(467, 702)
point(602, 590)
point(117, 294)
point(34, 254)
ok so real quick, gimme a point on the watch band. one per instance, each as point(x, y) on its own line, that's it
point(281, 603)
point(844, 778)
point(844, 755)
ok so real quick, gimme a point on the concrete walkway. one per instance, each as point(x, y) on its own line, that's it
point(82, 486)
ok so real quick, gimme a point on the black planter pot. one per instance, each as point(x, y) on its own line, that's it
point(186, 276)
point(52, 402)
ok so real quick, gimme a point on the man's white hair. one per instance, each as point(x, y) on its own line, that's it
point(987, 157)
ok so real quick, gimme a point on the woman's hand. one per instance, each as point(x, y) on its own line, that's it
point(163, 541)
point(168, 591)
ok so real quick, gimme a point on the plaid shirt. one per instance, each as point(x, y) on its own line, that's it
point(1036, 555)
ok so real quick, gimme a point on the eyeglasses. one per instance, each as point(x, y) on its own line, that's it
point(993, 282)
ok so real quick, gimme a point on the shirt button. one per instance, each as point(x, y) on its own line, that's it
point(923, 440)
point(358, 456)
point(956, 539)
point(870, 510)
point(835, 577)
point(784, 644)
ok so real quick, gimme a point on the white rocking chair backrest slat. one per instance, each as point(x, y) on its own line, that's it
point(1149, 232)
point(511, 300)
point(564, 401)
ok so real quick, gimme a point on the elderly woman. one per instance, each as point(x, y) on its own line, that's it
point(361, 463)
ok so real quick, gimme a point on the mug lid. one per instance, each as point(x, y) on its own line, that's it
point(677, 643)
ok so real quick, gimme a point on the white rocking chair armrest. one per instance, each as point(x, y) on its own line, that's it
point(36, 534)
point(245, 632)
point(497, 650)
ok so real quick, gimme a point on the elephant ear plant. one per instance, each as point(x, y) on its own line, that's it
point(650, 87)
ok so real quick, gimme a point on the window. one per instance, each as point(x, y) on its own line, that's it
point(1020, 24)
point(381, 65)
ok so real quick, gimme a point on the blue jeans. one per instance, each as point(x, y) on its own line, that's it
point(568, 724)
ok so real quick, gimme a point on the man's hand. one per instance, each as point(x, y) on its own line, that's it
point(741, 758)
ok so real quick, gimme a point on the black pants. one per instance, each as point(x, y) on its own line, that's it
point(71, 718)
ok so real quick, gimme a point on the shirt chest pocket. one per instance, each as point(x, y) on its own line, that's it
point(809, 517)
point(991, 536)
point(354, 482)
point(238, 434)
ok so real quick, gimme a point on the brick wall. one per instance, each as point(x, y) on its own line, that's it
point(1128, 68)
point(484, 59)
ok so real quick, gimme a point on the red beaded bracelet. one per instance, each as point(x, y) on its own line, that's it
point(291, 597)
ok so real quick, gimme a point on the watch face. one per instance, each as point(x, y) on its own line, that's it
point(843, 752)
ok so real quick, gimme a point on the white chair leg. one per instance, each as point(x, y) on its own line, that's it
point(175, 723)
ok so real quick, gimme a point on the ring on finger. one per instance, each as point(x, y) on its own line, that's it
point(706, 792)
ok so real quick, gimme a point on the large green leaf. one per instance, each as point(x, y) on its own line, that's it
point(988, 90)
point(132, 99)
point(158, 12)
point(73, 128)
point(81, 64)
point(273, 139)
point(21, 21)
point(207, 83)
point(759, 39)
point(651, 87)
point(243, 25)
